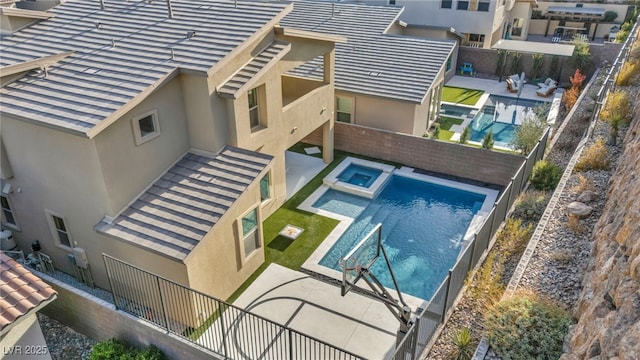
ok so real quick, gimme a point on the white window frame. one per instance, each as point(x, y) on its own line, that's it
point(515, 21)
point(255, 232)
point(54, 230)
point(256, 107)
point(135, 123)
point(488, 4)
point(450, 2)
point(5, 222)
point(352, 114)
point(463, 1)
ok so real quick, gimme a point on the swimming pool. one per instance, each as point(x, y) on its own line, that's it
point(423, 226)
point(501, 115)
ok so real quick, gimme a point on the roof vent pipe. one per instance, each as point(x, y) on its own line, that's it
point(333, 10)
point(235, 4)
point(173, 54)
point(102, 4)
point(113, 42)
point(169, 9)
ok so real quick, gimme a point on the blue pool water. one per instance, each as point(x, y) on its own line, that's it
point(423, 225)
point(362, 176)
point(501, 115)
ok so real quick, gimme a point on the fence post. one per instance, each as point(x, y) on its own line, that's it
point(473, 250)
point(223, 332)
point(446, 297)
point(113, 291)
point(416, 336)
point(162, 304)
point(290, 343)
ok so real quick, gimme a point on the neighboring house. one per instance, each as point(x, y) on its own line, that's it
point(156, 132)
point(481, 22)
point(383, 79)
point(13, 18)
point(23, 294)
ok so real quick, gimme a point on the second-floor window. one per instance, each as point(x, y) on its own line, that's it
point(254, 109)
point(448, 66)
point(463, 5)
point(446, 4)
point(516, 28)
point(146, 127)
point(476, 38)
point(7, 212)
point(344, 109)
point(483, 5)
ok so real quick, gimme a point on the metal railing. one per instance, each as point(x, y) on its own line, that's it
point(222, 328)
point(439, 308)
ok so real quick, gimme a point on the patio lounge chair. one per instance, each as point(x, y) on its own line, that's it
point(547, 87)
point(466, 67)
point(513, 83)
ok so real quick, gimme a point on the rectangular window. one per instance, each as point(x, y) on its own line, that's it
point(250, 234)
point(146, 127)
point(483, 5)
point(59, 229)
point(446, 4)
point(476, 37)
point(463, 5)
point(344, 109)
point(516, 28)
point(265, 188)
point(254, 109)
point(9, 219)
point(448, 66)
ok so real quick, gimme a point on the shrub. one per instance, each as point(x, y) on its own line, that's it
point(570, 97)
point(114, 349)
point(584, 184)
point(464, 346)
point(488, 287)
point(609, 16)
point(595, 157)
point(525, 327)
point(436, 131)
point(464, 137)
point(581, 57)
point(545, 175)
point(554, 66)
point(628, 71)
point(528, 134)
point(530, 205)
point(575, 225)
point(502, 57)
point(487, 142)
point(513, 237)
point(538, 65)
point(516, 65)
point(618, 103)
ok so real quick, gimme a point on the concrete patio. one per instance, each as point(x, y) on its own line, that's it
point(495, 87)
point(300, 169)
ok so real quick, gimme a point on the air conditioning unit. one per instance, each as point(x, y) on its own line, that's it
point(6, 241)
point(80, 257)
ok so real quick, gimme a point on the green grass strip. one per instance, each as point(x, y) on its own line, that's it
point(459, 95)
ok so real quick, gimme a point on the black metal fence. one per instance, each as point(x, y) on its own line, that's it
point(222, 328)
point(437, 310)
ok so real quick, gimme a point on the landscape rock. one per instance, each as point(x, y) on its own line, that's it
point(579, 210)
point(586, 196)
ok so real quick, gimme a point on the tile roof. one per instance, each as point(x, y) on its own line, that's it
point(371, 62)
point(178, 210)
point(99, 78)
point(265, 59)
point(20, 291)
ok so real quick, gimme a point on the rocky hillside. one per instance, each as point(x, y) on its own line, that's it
point(608, 309)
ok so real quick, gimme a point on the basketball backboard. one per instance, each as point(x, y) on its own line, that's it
point(362, 256)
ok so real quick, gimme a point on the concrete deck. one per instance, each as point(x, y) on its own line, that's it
point(497, 88)
point(354, 322)
point(300, 169)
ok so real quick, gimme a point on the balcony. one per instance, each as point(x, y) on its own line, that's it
point(306, 105)
point(294, 88)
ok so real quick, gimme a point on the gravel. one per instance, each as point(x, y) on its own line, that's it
point(556, 268)
point(63, 342)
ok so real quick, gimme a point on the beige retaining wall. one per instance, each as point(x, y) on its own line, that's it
point(441, 157)
point(100, 320)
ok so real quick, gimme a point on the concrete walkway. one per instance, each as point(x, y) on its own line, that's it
point(300, 169)
point(354, 322)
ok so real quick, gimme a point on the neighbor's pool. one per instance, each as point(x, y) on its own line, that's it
point(501, 115)
point(423, 225)
point(358, 175)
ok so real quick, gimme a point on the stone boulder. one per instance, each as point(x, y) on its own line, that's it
point(586, 196)
point(579, 209)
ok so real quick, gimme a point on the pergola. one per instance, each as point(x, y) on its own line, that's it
point(532, 47)
point(587, 15)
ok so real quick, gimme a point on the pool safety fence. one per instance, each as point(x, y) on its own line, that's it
point(431, 319)
point(210, 323)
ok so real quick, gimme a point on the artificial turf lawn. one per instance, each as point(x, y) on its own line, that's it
point(461, 95)
point(446, 122)
point(445, 134)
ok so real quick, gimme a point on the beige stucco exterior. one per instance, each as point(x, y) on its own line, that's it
point(86, 181)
